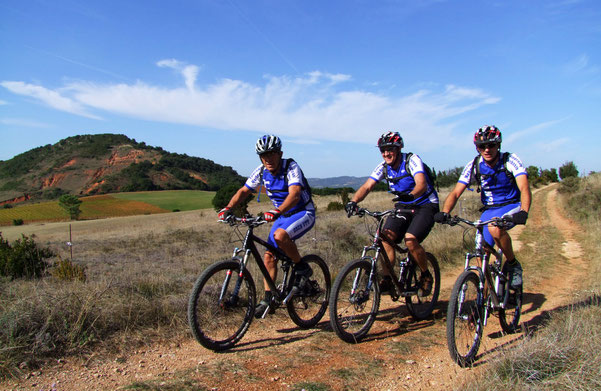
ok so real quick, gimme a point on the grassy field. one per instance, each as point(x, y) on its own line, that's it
point(113, 205)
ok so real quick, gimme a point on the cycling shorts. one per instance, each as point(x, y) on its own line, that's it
point(295, 225)
point(498, 212)
point(417, 224)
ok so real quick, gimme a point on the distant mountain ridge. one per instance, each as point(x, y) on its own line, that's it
point(339, 181)
point(105, 163)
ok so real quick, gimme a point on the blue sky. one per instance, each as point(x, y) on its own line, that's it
point(207, 78)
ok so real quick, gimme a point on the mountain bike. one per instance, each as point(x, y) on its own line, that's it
point(478, 292)
point(355, 298)
point(222, 303)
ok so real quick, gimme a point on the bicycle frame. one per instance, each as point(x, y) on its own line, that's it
point(249, 247)
point(377, 248)
point(485, 272)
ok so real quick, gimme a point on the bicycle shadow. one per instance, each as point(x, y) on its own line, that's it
point(532, 326)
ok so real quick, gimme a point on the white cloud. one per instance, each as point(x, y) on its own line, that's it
point(552, 146)
point(520, 134)
point(581, 64)
point(3, 102)
point(189, 72)
point(52, 98)
point(316, 106)
point(22, 122)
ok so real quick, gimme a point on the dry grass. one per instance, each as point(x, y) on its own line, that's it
point(140, 270)
point(564, 354)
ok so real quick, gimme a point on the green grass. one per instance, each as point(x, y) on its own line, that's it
point(172, 199)
point(112, 205)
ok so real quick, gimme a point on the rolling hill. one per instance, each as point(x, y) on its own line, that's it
point(105, 163)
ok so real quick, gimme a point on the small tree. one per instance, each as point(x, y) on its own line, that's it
point(223, 196)
point(550, 175)
point(568, 170)
point(70, 204)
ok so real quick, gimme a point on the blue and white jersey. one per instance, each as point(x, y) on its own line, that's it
point(277, 185)
point(497, 187)
point(402, 180)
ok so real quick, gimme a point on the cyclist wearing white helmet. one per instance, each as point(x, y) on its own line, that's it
point(505, 191)
point(408, 178)
point(293, 212)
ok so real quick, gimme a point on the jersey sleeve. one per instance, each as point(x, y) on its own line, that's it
point(466, 173)
point(254, 180)
point(515, 166)
point(378, 173)
point(416, 165)
point(294, 174)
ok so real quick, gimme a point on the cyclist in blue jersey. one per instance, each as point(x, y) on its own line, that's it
point(293, 212)
point(505, 191)
point(407, 178)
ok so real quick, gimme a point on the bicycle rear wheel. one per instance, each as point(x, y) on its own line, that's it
point(221, 305)
point(464, 319)
point(422, 304)
point(308, 307)
point(509, 317)
point(354, 302)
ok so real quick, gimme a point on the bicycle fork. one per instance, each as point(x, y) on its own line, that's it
point(233, 299)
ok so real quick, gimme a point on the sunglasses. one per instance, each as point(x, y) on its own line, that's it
point(482, 147)
point(387, 149)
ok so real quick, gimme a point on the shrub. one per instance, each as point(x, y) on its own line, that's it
point(335, 205)
point(70, 204)
point(17, 221)
point(66, 270)
point(223, 196)
point(569, 185)
point(568, 170)
point(23, 258)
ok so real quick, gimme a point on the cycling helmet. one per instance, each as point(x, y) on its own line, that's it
point(487, 135)
point(391, 139)
point(268, 143)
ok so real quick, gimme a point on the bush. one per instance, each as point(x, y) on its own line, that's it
point(569, 185)
point(17, 221)
point(23, 258)
point(223, 196)
point(66, 270)
point(568, 170)
point(335, 205)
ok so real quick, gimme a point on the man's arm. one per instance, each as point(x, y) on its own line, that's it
point(294, 195)
point(526, 195)
point(240, 196)
point(420, 185)
point(451, 200)
point(364, 190)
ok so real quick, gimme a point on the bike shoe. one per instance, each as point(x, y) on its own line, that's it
point(261, 307)
point(386, 285)
point(426, 281)
point(302, 272)
point(514, 274)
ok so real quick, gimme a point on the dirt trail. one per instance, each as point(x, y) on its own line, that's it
point(398, 353)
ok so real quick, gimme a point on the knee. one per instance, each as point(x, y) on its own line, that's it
point(281, 236)
point(269, 260)
point(411, 242)
point(388, 234)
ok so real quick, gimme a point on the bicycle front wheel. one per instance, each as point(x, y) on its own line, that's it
point(221, 305)
point(509, 317)
point(354, 302)
point(465, 319)
point(422, 304)
point(308, 307)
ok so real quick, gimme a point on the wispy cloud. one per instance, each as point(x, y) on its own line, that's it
point(314, 106)
point(51, 98)
point(22, 122)
point(520, 134)
point(581, 65)
point(553, 145)
point(3, 102)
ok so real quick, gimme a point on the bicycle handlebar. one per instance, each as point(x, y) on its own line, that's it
point(378, 215)
point(501, 222)
point(250, 221)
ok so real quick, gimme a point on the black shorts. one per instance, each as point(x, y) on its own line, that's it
point(418, 224)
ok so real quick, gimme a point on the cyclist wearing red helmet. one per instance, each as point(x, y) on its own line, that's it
point(505, 191)
point(293, 212)
point(407, 178)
